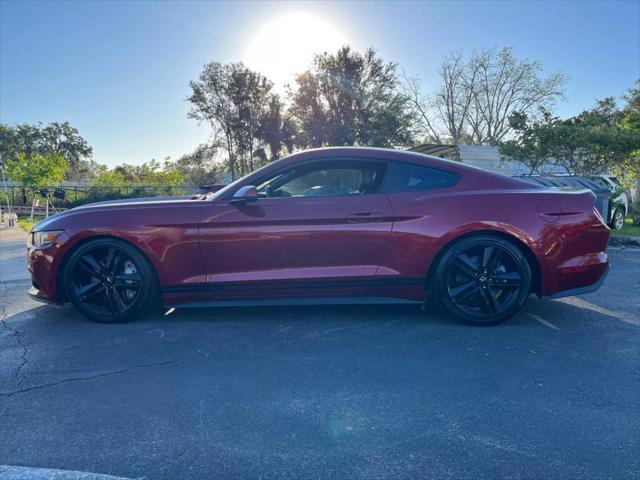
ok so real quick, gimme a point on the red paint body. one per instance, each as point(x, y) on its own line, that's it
point(324, 246)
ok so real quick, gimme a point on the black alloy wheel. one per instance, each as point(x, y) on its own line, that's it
point(483, 280)
point(109, 280)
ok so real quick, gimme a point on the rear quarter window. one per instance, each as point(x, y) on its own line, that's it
point(407, 177)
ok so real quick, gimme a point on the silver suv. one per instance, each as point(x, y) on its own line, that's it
point(619, 203)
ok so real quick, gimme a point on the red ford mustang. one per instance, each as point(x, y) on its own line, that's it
point(335, 225)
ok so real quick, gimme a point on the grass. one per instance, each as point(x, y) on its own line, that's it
point(628, 229)
point(27, 224)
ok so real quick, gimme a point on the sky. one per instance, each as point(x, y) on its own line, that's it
point(119, 71)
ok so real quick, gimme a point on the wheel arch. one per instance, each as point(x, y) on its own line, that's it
point(532, 260)
point(62, 293)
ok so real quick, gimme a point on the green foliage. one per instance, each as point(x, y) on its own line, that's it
point(151, 173)
point(105, 177)
point(27, 224)
point(36, 169)
point(602, 139)
point(349, 98)
point(201, 167)
point(55, 138)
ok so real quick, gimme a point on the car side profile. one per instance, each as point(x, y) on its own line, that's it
point(329, 226)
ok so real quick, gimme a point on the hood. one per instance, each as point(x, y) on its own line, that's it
point(132, 201)
point(111, 204)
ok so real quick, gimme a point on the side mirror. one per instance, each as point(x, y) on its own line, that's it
point(246, 194)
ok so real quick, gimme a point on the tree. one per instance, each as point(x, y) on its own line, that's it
point(55, 138)
point(277, 130)
point(630, 167)
point(601, 139)
point(36, 170)
point(200, 167)
point(349, 98)
point(533, 145)
point(152, 173)
point(477, 96)
point(233, 100)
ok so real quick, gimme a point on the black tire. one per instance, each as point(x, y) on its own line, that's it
point(617, 220)
point(109, 281)
point(482, 280)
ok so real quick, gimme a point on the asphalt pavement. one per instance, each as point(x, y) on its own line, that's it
point(362, 392)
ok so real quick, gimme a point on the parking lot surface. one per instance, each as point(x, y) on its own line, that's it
point(325, 392)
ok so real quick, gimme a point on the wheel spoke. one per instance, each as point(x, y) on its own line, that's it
point(117, 262)
point(129, 280)
point(490, 258)
point(491, 303)
point(110, 301)
point(89, 291)
point(464, 291)
point(118, 300)
point(464, 264)
point(108, 260)
point(508, 280)
point(89, 263)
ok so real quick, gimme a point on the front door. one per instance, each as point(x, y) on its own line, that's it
point(320, 228)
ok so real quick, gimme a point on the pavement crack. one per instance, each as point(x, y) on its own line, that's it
point(175, 459)
point(24, 350)
point(92, 377)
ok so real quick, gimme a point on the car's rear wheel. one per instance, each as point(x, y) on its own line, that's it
point(109, 280)
point(617, 221)
point(483, 280)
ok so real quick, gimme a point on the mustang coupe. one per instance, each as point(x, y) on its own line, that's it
point(328, 226)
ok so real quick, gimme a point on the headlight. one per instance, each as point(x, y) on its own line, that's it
point(45, 237)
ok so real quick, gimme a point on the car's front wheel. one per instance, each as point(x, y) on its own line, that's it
point(617, 221)
point(109, 280)
point(483, 280)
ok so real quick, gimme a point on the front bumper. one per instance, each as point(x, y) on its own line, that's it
point(43, 264)
point(39, 296)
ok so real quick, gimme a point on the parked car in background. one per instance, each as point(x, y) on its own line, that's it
point(620, 202)
point(334, 225)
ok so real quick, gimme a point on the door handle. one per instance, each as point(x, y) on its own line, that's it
point(365, 217)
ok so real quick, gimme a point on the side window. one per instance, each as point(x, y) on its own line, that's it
point(408, 177)
point(601, 182)
point(325, 179)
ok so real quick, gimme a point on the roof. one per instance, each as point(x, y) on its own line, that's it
point(438, 150)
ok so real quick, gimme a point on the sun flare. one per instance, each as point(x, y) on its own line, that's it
point(286, 45)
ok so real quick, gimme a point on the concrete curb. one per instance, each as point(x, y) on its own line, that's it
point(624, 241)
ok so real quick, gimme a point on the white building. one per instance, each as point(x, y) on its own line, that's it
point(482, 156)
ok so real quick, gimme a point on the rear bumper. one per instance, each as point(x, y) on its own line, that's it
point(580, 290)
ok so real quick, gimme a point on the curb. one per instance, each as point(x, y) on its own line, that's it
point(624, 241)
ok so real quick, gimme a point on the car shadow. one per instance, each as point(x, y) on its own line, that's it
point(554, 314)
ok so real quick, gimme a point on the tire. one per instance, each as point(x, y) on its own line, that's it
point(109, 281)
point(482, 280)
point(617, 220)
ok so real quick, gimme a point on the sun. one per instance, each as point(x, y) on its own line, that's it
point(285, 46)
